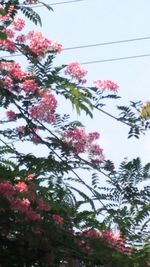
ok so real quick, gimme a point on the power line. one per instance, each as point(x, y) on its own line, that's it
point(108, 43)
point(100, 44)
point(106, 60)
point(114, 59)
point(56, 3)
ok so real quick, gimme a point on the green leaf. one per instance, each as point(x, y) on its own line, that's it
point(31, 15)
point(3, 35)
point(3, 12)
point(47, 6)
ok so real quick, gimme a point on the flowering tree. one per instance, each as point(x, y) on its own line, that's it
point(42, 220)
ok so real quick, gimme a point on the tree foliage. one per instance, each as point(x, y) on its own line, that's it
point(50, 215)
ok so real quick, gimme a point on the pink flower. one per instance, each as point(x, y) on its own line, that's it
point(93, 136)
point(56, 47)
point(92, 233)
point(81, 142)
point(13, 69)
point(21, 204)
point(77, 139)
point(107, 84)
point(21, 187)
point(18, 24)
point(8, 83)
point(43, 206)
point(20, 129)
point(35, 139)
point(29, 86)
point(45, 109)
point(8, 45)
point(41, 45)
point(11, 115)
point(10, 33)
point(30, 176)
point(95, 149)
point(76, 72)
point(21, 38)
point(32, 196)
point(58, 219)
point(32, 215)
point(6, 189)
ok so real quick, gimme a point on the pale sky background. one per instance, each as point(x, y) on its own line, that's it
point(98, 21)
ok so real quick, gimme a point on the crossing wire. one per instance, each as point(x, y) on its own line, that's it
point(56, 3)
point(114, 59)
point(102, 44)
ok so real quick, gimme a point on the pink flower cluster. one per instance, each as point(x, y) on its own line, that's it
point(45, 110)
point(12, 70)
point(21, 196)
point(106, 85)
point(11, 115)
point(8, 45)
point(58, 219)
point(76, 72)
point(112, 239)
point(21, 187)
point(32, 135)
point(18, 24)
point(81, 142)
point(35, 40)
point(7, 16)
point(116, 241)
point(41, 45)
point(29, 86)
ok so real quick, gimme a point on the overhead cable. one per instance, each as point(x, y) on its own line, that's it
point(101, 44)
point(56, 3)
point(107, 43)
point(114, 59)
point(102, 60)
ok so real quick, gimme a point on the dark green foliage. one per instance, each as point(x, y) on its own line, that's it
point(31, 15)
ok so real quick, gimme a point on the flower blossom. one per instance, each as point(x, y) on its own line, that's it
point(106, 84)
point(92, 233)
point(7, 16)
point(8, 83)
point(32, 215)
point(58, 219)
point(13, 69)
point(76, 72)
point(6, 189)
point(30, 176)
point(10, 33)
point(29, 86)
point(8, 45)
point(21, 187)
point(20, 129)
point(21, 204)
point(114, 240)
point(21, 38)
point(81, 142)
point(11, 115)
point(18, 23)
point(45, 109)
point(41, 45)
point(42, 205)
